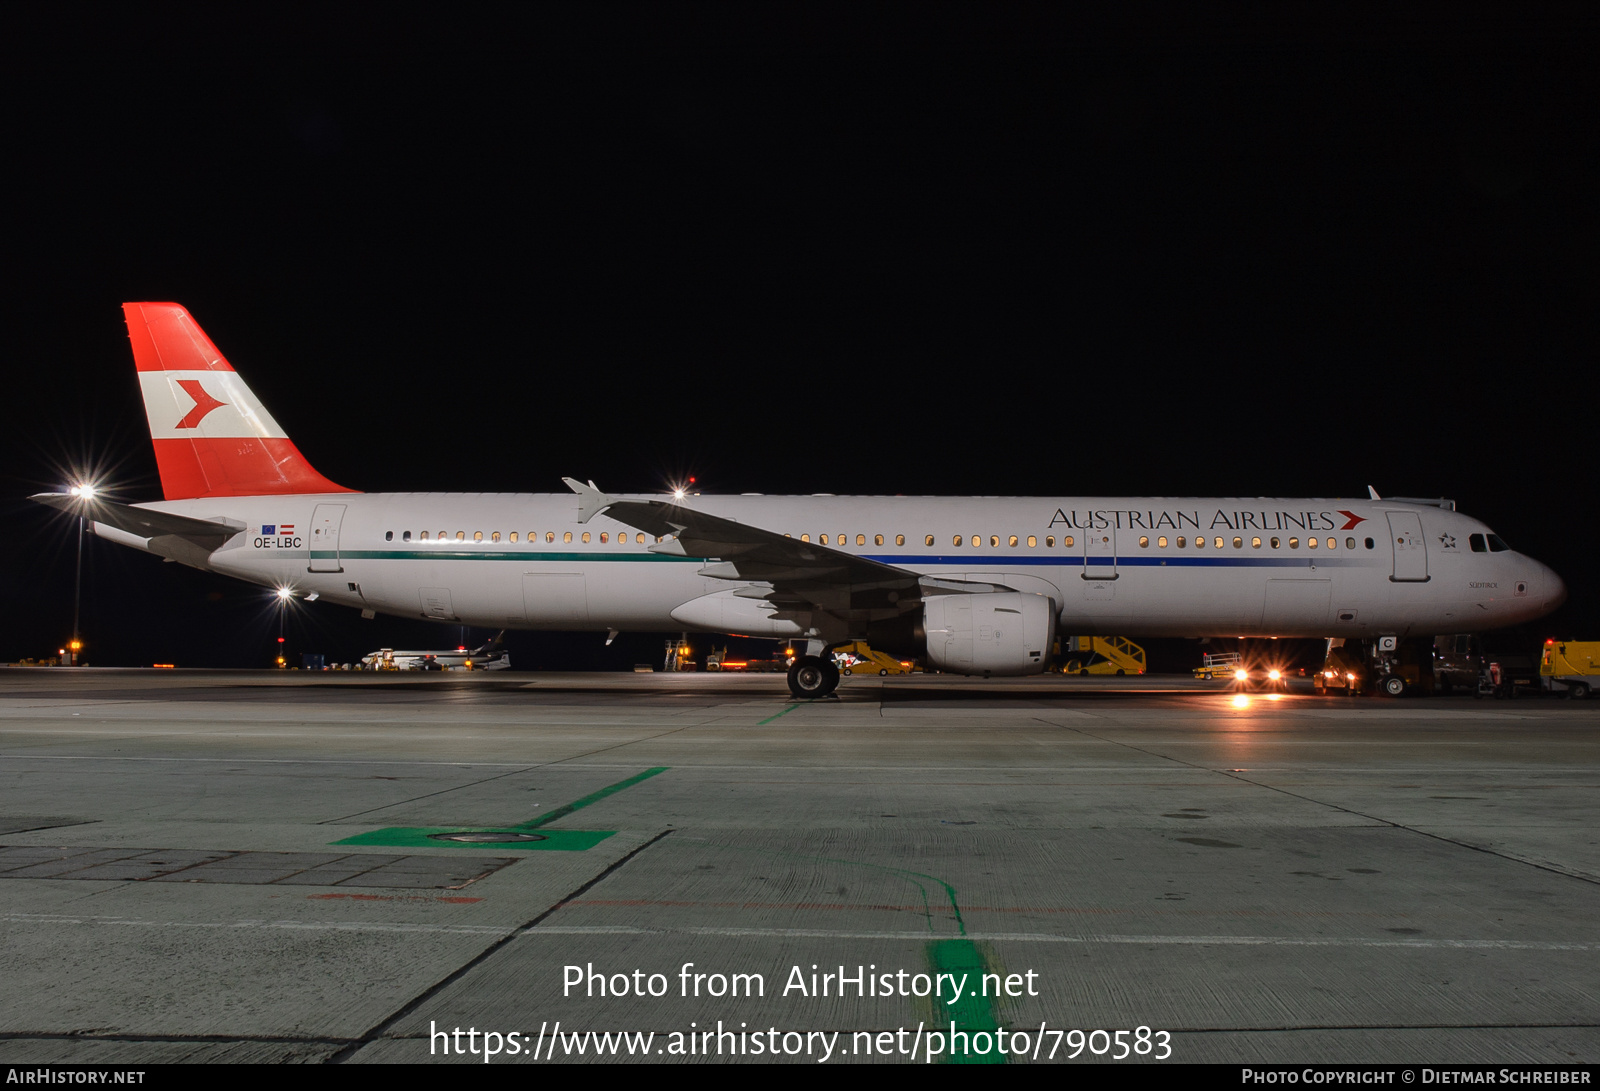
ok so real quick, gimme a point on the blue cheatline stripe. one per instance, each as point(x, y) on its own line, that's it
point(946, 560)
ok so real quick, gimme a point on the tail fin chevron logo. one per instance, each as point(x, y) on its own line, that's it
point(203, 403)
point(1353, 517)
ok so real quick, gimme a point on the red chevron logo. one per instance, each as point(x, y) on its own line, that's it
point(1353, 517)
point(205, 403)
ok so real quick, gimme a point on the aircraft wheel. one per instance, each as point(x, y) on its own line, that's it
point(1577, 691)
point(1393, 685)
point(812, 677)
point(847, 671)
point(882, 671)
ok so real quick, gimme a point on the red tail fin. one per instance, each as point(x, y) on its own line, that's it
point(213, 437)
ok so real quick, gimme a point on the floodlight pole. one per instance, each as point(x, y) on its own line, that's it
point(77, 595)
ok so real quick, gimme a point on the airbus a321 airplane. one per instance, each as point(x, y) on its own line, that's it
point(972, 585)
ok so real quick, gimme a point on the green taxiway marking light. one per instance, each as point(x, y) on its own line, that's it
point(515, 837)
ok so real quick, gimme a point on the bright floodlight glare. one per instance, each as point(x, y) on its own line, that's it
point(284, 593)
point(678, 494)
point(83, 492)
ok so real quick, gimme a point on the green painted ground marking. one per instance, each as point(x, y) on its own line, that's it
point(427, 837)
point(974, 1012)
point(785, 712)
point(592, 797)
point(421, 837)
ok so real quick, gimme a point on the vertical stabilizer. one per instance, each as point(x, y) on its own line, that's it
point(212, 436)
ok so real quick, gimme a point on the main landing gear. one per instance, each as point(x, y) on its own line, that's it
point(813, 676)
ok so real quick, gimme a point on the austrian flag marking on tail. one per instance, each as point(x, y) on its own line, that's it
point(212, 435)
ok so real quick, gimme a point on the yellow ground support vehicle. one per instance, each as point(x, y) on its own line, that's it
point(1574, 664)
point(1105, 655)
point(1219, 665)
point(866, 660)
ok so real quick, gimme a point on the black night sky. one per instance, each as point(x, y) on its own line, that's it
point(958, 250)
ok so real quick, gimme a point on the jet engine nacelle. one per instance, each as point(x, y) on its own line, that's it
point(1004, 632)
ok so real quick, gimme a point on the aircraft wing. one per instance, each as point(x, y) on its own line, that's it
point(144, 522)
point(745, 552)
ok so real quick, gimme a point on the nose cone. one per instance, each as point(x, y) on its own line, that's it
point(1555, 589)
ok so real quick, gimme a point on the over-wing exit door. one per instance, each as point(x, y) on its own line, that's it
point(1100, 554)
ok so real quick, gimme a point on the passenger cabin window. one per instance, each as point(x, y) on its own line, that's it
point(406, 537)
point(877, 539)
point(1162, 542)
point(1066, 542)
point(1349, 543)
point(586, 537)
point(550, 536)
point(1255, 543)
point(388, 535)
point(1182, 541)
point(928, 541)
point(1294, 543)
point(977, 540)
point(567, 537)
point(461, 535)
point(803, 538)
point(514, 536)
point(603, 538)
point(861, 539)
point(1274, 543)
point(1311, 543)
point(994, 540)
point(1050, 541)
point(899, 539)
point(477, 536)
point(1032, 541)
point(1238, 543)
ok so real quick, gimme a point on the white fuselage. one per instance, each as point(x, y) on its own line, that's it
point(1124, 565)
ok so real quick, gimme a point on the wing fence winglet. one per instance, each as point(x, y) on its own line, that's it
point(591, 501)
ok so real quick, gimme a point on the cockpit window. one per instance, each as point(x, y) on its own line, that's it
point(1478, 544)
point(1497, 544)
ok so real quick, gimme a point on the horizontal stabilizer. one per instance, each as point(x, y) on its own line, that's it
point(143, 522)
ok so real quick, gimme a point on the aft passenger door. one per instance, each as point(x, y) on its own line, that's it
point(1410, 548)
point(325, 538)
